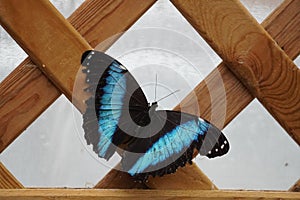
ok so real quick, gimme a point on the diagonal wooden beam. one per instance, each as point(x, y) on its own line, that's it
point(295, 187)
point(21, 103)
point(7, 180)
point(24, 95)
point(251, 54)
point(285, 34)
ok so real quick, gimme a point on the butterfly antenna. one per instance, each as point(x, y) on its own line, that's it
point(168, 95)
point(155, 87)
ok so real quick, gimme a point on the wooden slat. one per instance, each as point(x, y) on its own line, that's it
point(16, 113)
point(295, 187)
point(251, 54)
point(235, 99)
point(54, 44)
point(24, 95)
point(119, 180)
point(280, 23)
point(189, 177)
point(88, 194)
point(7, 180)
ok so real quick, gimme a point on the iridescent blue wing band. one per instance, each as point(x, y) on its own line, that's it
point(174, 145)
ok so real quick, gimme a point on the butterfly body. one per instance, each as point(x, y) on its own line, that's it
point(150, 141)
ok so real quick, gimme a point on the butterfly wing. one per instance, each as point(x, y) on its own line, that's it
point(173, 145)
point(115, 96)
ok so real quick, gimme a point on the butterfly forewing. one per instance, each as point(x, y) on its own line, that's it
point(111, 87)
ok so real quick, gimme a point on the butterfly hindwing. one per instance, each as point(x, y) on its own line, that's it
point(173, 145)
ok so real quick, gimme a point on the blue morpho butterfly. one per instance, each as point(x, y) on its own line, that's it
point(150, 142)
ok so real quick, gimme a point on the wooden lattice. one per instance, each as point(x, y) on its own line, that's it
point(249, 71)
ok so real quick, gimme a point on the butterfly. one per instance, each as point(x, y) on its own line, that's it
point(118, 118)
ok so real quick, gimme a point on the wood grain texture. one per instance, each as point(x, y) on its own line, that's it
point(251, 54)
point(295, 187)
point(116, 179)
point(219, 102)
point(284, 27)
point(50, 41)
point(24, 95)
point(88, 194)
point(16, 89)
point(189, 177)
point(103, 21)
point(7, 180)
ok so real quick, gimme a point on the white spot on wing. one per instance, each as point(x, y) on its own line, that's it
point(122, 67)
